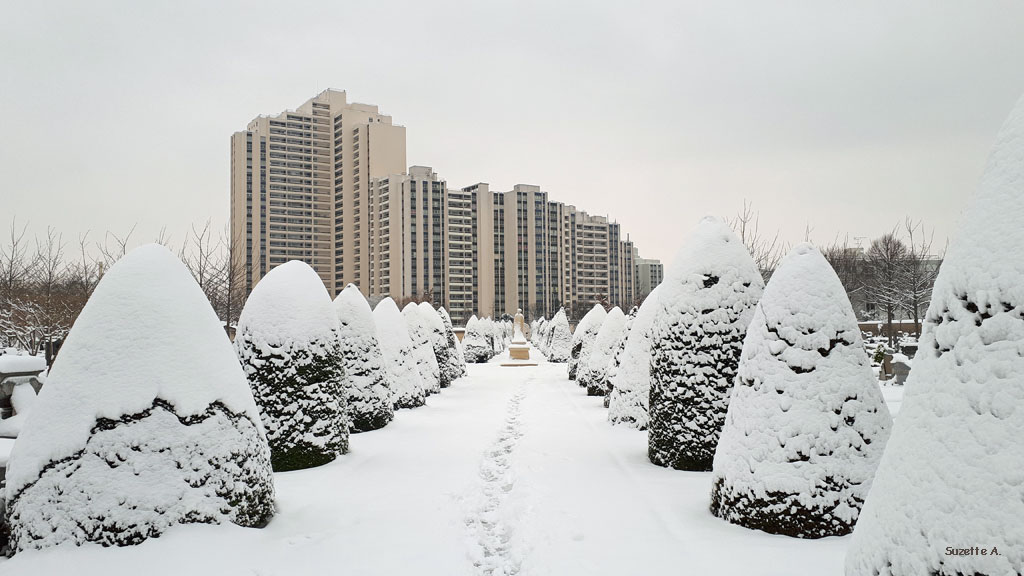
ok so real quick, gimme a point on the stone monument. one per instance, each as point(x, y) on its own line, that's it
point(520, 348)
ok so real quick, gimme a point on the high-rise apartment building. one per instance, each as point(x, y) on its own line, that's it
point(300, 185)
point(649, 273)
point(327, 184)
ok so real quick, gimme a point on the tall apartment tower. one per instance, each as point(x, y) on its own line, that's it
point(300, 186)
point(649, 273)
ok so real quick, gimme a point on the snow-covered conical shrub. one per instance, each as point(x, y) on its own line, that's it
point(422, 348)
point(583, 339)
point(616, 360)
point(948, 496)
point(447, 362)
point(456, 363)
point(145, 421)
point(367, 387)
point(476, 342)
point(807, 422)
point(559, 338)
point(707, 302)
point(287, 342)
point(594, 373)
point(631, 385)
point(406, 383)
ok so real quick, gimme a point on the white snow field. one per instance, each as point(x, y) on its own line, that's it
point(508, 471)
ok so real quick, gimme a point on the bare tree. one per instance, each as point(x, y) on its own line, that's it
point(767, 251)
point(114, 247)
point(846, 261)
point(50, 293)
point(233, 275)
point(885, 263)
point(920, 269)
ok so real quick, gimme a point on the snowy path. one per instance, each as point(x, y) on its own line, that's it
point(509, 471)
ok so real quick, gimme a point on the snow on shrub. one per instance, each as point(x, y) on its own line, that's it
point(807, 422)
point(393, 335)
point(706, 304)
point(593, 374)
point(631, 385)
point(146, 420)
point(616, 359)
point(559, 338)
point(583, 339)
point(476, 343)
point(287, 342)
point(447, 363)
point(23, 400)
point(422, 348)
point(367, 388)
point(952, 476)
point(457, 364)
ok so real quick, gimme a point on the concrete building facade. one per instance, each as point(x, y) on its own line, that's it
point(649, 273)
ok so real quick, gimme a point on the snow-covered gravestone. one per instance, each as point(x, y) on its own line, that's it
point(583, 339)
point(559, 338)
point(457, 364)
point(422, 348)
point(631, 385)
point(393, 335)
point(948, 497)
point(475, 342)
point(594, 373)
point(706, 303)
point(367, 387)
point(145, 421)
point(287, 342)
point(447, 362)
point(807, 422)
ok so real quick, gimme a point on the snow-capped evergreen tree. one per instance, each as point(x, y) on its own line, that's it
point(456, 363)
point(951, 474)
point(631, 385)
point(146, 420)
point(393, 335)
point(616, 360)
point(422, 348)
point(583, 339)
point(707, 301)
point(593, 374)
point(559, 339)
point(807, 423)
point(287, 342)
point(476, 342)
point(367, 387)
point(447, 361)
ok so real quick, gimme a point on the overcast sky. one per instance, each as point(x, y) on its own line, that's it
point(841, 116)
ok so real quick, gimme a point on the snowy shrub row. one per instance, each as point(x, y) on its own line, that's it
point(484, 339)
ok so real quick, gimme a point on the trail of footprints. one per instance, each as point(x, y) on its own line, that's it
point(489, 530)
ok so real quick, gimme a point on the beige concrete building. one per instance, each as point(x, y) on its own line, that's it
point(649, 273)
point(300, 185)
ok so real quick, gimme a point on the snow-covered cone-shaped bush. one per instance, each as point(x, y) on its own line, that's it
point(393, 335)
point(456, 363)
point(287, 341)
point(422, 348)
point(807, 422)
point(447, 362)
point(145, 421)
point(559, 338)
point(594, 373)
point(952, 476)
point(616, 360)
point(476, 343)
point(631, 385)
point(583, 339)
point(367, 387)
point(706, 304)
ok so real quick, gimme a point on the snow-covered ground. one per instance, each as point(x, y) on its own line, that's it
point(511, 470)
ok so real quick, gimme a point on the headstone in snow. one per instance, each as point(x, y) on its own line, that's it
point(407, 384)
point(948, 497)
point(367, 386)
point(631, 385)
point(287, 342)
point(422, 348)
point(807, 422)
point(707, 301)
point(583, 339)
point(146, 420)
point(593, 375)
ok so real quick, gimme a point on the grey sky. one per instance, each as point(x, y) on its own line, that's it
point(842, 115)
